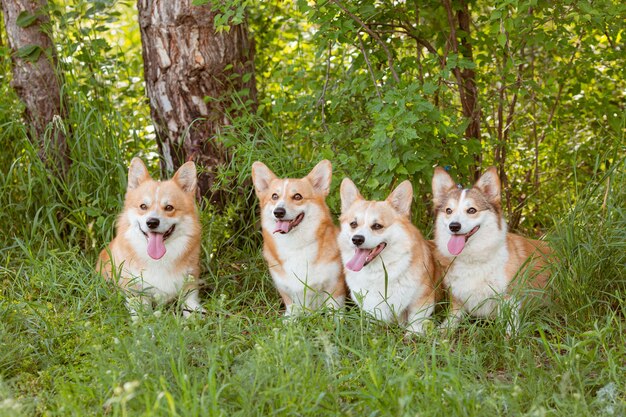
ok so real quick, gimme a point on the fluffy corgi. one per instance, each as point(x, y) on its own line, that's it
point(484, 263)
point(156, 250)
point(300, 238)
point(388, 265)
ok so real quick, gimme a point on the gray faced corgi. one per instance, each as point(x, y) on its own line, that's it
point(481, 258)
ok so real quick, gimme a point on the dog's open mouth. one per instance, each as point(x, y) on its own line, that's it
point(285, 226)
point(364, 256)
point(457, 242)
point(156, 242)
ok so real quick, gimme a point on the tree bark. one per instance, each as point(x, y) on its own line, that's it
point(186, 61)
point(35, 79)
point(466, 77)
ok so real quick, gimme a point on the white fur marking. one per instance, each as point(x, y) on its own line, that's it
point(462, 199)
point(285, 188)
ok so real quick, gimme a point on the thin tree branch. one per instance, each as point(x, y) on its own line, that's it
point(373, 35)
point(408, 30)
point(608, 37)
point(559, 93)
point(452, 41)
point(369, 67)
point(511, 110)
point(418, 50)
point(322, 100)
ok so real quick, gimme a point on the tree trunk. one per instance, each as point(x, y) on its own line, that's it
point(186, 61)
point(35, 80)
point(466, 77)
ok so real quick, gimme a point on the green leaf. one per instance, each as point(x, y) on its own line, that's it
point(502, 39)
point(429, 87)
point(29, 52)
point(93, 212)
point(25, 19)
point(372, 183)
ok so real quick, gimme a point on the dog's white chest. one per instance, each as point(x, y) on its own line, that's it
point(306, 281)
point(479, 285)
point(383, 299)
point(160, 280)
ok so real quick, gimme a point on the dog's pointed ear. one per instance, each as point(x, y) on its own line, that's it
point(186, 177)
point(261, 177)
point(401, 198)
point(489, 185)
point(349, 194)
point(137, 173)
point(442, 185)
point(320, 176)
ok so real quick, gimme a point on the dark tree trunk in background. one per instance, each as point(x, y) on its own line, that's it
point(185, 60)
point(35, 80)
point(466, 77)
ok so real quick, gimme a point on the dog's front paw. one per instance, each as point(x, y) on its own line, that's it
point(419, 328)
point(450, 323)
point(135, 318)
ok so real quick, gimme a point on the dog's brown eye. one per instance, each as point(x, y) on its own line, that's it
point(143, 207)
point(297, 197)
point(274, 196)
point(448, 211)
point(471, 210)
point(169, 207)
point(377, 226)
point(353, 224)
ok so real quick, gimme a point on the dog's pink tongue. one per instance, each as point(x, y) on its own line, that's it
point(156, 247)
point(358, 260)
point(282, 226)
point(456, 244)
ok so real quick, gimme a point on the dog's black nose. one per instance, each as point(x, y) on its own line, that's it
point(279, 212)
point(153, 223)
point(455, 226)
point(358, 240)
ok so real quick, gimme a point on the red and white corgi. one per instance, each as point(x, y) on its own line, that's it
point(156, 251)
point(388, 265)
point(300, 238)
point(484, 263)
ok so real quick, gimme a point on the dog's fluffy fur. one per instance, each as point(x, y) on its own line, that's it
point(300, 238)
point(388, 264)
point(156, 251)
point(484, 264)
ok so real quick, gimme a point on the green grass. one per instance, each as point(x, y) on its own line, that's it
point(68, 347)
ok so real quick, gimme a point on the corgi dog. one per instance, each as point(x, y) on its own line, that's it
point(484, 262)
point(156, 251)
point(388, 265)
point(300, 238)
